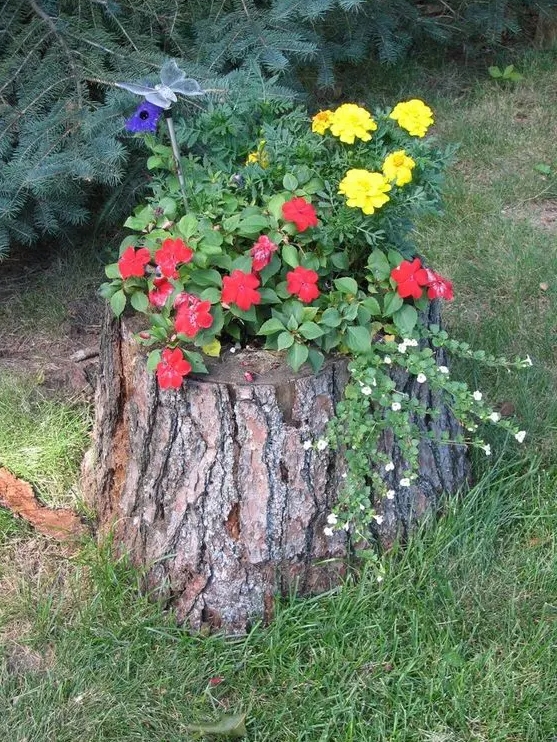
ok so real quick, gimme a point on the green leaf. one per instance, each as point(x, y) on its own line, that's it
point(209, 240)
point(358, 339)
point(290, 182)
point(379, 265)
point(118, 302)
point(340, 260)
point(112, 271)
point(169, 206)
point(188, 226)
point(139, 301)
point(391, 303)
point(331, 317)
point(316, 359)
point(495, 72)
point(297, 356)
point(268, 296)
point(106, 290)
point(310, 330)
point(372, 305)
point(211, 294)
point(275, 204)
point(197, 364)
point(153, 360)
point(271, 326)
point(405, 319)
point(313, 186)
point(154, 161)
point(207, 277)
point(229, 726)
point(290, 255)
point(252, 225)
point(346, 285)
point(284, 341)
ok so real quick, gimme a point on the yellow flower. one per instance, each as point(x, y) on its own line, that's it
point(364, 190)
point(398, 167)
point(350, 121)
point(414, 116)
point(321, 122)
point(260, 156)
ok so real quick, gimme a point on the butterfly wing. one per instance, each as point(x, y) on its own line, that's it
point(136, 89)
point(171, 74)
point(188, 86)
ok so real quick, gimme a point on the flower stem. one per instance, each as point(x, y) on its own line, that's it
point(176, 154)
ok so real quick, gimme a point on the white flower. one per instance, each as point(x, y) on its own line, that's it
point(328, 531)
point(443, 370)
point(487, 449)
point(322, 444)
point(420, 378)
point(390, 494)
point(495, 417)
point(404, 482)
point(520, 436)
point(366, 390)
point(232, 350)
point(402, 348)
point(390, 466)
point(362, 506)
point(396, 406)
point(332, 519)
point(307, 445)
point(411, 342)
point(527, 361)
point(379, 578)
point(477, 395)
point(387, 360)
point(378, 519)
point(346, 526)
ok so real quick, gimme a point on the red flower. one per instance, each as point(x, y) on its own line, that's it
point(172, 368)
point(410, 277)
point(170, 254)
point(299, 211)
point(192, 315)
point(262, 253)
point(240, 288)
point(161, 291)
point(438, 287)
point(132, 262)
point(302, 282)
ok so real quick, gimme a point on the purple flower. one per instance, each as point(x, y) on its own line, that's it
point(145, 118)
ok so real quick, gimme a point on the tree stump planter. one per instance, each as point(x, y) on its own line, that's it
point(211, 489)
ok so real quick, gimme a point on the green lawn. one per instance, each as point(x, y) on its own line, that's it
point(458, 642)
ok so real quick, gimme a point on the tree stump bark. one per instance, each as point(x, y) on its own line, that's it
point(211, 490)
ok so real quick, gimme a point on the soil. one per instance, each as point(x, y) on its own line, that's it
point(542, 214)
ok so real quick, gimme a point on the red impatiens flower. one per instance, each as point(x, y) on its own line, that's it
point(192, 314)
point(161, 291)
point(438, 287)
point(302, 282)
point(410, 277)
point(132, 262)
point(262, 253)
point(171, 253)
point(172, 368)
point(299, 211)
point(240, 288)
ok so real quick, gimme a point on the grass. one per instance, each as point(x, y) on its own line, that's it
point(41, 439)
point(457, 643)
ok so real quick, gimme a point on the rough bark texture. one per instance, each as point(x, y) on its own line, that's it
point(211, 489)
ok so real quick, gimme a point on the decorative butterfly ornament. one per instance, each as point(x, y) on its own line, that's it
point(163, 95)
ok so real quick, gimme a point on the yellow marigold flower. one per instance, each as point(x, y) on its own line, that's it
point(398, 167)
point(259, 156)
point(321, 122)
point(350, 121)
point(414, 116)
point(364, 190)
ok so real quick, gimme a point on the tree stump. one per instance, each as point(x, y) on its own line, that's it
point(211, 489)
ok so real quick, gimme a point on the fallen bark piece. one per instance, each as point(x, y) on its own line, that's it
point(18, 496)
